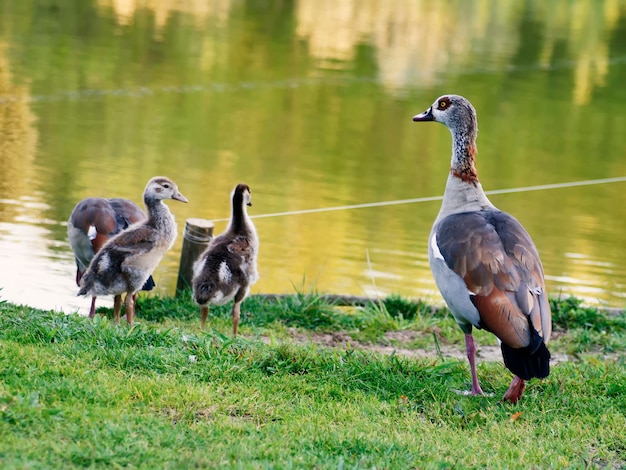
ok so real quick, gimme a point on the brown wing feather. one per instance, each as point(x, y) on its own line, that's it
point(241, 246)
point(500, 265)
point(137, 238)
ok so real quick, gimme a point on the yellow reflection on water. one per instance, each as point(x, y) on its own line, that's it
point(198, 10)
point(18, 135)
point(417, 40)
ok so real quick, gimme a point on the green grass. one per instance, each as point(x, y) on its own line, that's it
point(78, 393)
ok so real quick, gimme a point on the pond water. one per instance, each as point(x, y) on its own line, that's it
point(310, 103)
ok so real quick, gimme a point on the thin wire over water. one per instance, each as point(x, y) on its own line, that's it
point(541, 187)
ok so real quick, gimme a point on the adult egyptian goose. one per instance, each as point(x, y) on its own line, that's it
point(127, 260)
point(228, 267)
point(484, 262)
point(92, 222)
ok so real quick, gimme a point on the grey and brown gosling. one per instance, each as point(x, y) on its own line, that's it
point(228, 267)
point(126, 261)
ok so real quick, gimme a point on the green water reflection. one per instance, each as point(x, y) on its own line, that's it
point(310, 103)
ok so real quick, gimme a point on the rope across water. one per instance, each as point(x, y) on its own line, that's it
point(541, 187)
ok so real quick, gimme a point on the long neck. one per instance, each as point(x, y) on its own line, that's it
point(161, 219)
point(240, 222)
point(159, 215)
point(464, 150)
point(463, 189)
point(461, 196)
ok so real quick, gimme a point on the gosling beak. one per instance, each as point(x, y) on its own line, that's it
point(179, 197)
point(425, 116)
point(249, 203)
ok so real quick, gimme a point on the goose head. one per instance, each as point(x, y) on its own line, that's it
point(455, 111)
point(459, 116)
point(160, 188)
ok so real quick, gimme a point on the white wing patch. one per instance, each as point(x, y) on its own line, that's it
point(437, 254)
point(104, 263)
point(197, 267)
point(435, 247)
point(218, 297)
point(92, 232)
point(225, 274)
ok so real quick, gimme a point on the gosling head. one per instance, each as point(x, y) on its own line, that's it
point(241, 195)
point(160, 188)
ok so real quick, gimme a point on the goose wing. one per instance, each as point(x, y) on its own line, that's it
point(127, 212)
point(497, 260)
point(91, 224)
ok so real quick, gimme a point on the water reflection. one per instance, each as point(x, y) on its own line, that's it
point(18, 135)
point(309, 102)
point(126, 11)
point(424, 41)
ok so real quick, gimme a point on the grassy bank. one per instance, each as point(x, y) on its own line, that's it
point(85, 393)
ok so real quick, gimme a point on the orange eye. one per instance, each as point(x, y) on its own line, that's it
point(443, 104)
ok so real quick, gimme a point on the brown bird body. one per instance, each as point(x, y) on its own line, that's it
point(228, 267)
point(92, 223)
point(127, 260)
point(485, 264)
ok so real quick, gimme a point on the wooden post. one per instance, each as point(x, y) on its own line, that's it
point(197, 235)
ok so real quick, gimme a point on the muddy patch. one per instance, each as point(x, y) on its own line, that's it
point(343, 340)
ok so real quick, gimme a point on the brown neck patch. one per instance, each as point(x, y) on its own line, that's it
point(466, 176)
point(465, 170)
point(471, 152)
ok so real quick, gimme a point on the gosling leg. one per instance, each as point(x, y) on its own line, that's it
point(236, 315)
point(204, 313)
point(129, 303)
point(117, 306)
point(92, 310)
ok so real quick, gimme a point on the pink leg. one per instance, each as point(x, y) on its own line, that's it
point(92, 310)
point(514, 393)
point(470, 349)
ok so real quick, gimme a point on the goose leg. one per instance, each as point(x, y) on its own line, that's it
point(117, 306)
point(204, 313)
point(129, 304)
point(515, 390)
point(470, 349)
point(92, 309)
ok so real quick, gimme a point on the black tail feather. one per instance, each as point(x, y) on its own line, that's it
point(525, 363)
